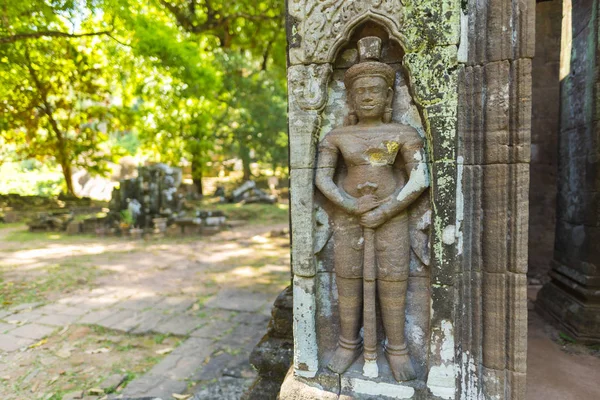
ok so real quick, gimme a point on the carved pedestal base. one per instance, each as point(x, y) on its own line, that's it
point(580, 319)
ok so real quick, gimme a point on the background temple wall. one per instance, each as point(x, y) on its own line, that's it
point(544, 137)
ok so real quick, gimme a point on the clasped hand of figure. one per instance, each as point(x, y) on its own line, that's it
point(370, 212)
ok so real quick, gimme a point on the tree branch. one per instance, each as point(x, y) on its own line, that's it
point(36, 35)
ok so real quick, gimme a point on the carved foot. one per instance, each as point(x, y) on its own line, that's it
point(401, 365)
point(344, 356)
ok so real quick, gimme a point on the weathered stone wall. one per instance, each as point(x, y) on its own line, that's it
point(544, 137)
point(494, 144)
point(573, 295)
point(469, 74)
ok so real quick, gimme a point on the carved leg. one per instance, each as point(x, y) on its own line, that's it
point(392, 296)
point(350, 343)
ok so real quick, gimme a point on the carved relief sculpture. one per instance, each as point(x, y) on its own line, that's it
point(372, 170)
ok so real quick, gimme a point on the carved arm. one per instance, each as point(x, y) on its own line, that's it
point(327, 161)
point(418, 181)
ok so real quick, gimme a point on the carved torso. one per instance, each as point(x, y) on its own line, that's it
point(371, 154)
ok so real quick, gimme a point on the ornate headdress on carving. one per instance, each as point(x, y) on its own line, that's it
point(369, 51)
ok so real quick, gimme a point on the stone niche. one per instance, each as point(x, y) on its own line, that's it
point(463, 83)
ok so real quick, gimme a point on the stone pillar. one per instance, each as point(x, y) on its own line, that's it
point(572, 298)
point(544, 137)
point(463, 82)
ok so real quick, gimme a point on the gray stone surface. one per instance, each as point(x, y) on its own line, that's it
point(154, 387)
point(226, 388)
point(571, 298)
point(13, 343)
point(181, 324)
point(112, 382)
point(476, 106)
point(238, 300)
point(32, 331)
point(58, 319)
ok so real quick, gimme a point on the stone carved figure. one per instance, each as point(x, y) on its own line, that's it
point(372, 170)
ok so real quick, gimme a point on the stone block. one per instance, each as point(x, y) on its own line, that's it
point(578, 319)
point(516, 345)
point(471, 196)
point(471, 116)
point(296, 388)
point(478, 32)
point(524, 12)
point(520, 110)
point(516, 385)
point(497, 115)
point(499, 30)
point(519, 218)
point(494, 383)
point(305, 342)
point(302, 221)
point(494, 320)
point(495, 206)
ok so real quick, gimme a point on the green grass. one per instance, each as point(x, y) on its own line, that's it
point(55, 278)
point(25, 236)
point(253, 213)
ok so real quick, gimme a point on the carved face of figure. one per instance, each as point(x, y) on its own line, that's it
point(371, 96)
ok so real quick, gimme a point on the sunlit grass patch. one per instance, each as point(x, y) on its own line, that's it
point(71, 361)
point(55, 278)
point(252, 213)
point(25, 235)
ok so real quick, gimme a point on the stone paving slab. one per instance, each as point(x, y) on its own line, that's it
point(152, 386)
point(238, 300)
point(58, 319)
point(115, 318)
point(147, 325)
point(140, 304)
point(32, 331)
point(24, 317)
point(129, 323)
point(6, 327)
point(180, 325)
point(12, 343)
point(213, 329)
point(174, 304)
point(25, 306)
point(96, 316)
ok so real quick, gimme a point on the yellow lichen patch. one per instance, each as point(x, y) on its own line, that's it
point(377, 157)
point(392, 147)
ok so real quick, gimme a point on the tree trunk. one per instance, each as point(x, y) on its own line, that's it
point(197, 176)
point(68, 174)
point(245, 156)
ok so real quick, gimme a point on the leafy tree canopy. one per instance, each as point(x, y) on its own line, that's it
point(196, 79)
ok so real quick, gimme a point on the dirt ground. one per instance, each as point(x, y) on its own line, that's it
point(50, 283)
point(73, 308)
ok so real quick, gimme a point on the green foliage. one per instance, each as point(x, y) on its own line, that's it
point(127, 217)
point(30, 178)
point(86, 82)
